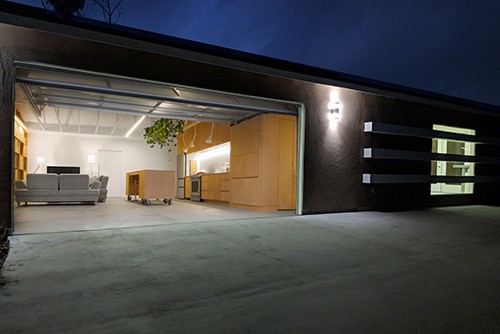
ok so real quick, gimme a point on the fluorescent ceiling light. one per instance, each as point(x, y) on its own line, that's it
point(134, 126)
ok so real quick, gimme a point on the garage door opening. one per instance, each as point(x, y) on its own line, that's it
point(73, 118)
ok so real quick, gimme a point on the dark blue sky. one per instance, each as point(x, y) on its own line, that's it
point(446, 46)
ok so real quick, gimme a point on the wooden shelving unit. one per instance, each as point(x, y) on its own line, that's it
point(20, 150)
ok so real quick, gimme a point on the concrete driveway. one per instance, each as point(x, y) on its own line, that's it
point(430, 271)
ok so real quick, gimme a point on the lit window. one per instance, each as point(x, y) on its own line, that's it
point(449, 167)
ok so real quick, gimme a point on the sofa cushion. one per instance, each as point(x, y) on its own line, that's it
point(70, 193)
point(43, 181)
point(24, 193)
point(73, 182)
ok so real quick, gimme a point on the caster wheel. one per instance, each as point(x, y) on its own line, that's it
point(129, 197)
point(169, 201)
point(143, 201)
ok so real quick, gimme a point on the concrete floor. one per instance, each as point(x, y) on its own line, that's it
point(117, 212)
point(430, 271)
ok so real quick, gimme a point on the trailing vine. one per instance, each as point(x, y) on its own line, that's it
point(163, 132)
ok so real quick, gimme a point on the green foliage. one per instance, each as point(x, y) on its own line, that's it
point(67, 7)
point(163, 132)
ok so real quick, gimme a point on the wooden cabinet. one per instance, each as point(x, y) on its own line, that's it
point(20, 150)
point(220, 135)
point(263, 163)
point(187, 187)
point(215, 187)
point(151, 184)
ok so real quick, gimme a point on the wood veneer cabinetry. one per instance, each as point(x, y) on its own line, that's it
point(215, 187)
point(263, 163)
point(187, 187)
point(20, 151)
point(220, 135)
point(151, 184)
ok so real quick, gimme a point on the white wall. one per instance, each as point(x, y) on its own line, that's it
point(73, 150)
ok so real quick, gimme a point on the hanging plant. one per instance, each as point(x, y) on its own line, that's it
point(163, 132)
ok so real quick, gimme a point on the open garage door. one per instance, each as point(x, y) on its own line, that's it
point(61, 100)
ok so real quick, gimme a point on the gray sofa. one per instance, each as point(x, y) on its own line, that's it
point(103, 188)
point(57, 188)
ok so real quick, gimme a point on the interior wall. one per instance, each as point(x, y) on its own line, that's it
point(73, 150)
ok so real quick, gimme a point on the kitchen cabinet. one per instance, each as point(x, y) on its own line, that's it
point(263, 163)
point(215, 187)
point(220, 135)
point(187, 187)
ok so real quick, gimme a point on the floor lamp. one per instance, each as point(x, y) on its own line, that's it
point(39, 161)
point(91, 160)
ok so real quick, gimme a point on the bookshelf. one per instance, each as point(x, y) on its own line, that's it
point(20, 149)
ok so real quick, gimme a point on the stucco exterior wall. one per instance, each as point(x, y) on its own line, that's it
point(333, 158)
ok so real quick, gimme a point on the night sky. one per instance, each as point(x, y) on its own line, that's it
point(447, 46)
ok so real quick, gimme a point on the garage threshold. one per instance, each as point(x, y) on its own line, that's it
point(119, 213)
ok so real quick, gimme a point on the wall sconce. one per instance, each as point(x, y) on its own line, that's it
point(39, 161)
point(209, 139)
point(334, 113)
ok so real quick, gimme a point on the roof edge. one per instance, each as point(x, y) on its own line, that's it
point(307, 72)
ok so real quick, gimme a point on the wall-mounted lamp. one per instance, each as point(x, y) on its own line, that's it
point(39, 161)
point(209, 139)
point(334, 113)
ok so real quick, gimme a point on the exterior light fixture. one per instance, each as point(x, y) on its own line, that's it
point(334, 114)
point(334, 111)
point(209, 139)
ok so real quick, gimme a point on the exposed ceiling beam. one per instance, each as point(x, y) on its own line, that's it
point(118, 120)
point(97, 122)
point(56, 110)
point(79, 129)
point(68, 116)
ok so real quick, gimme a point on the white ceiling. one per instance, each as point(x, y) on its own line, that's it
point(71, 101)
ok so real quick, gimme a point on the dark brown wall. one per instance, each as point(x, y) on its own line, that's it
point(333, 159)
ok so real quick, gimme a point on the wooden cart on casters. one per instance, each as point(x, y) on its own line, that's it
point(150, 185)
